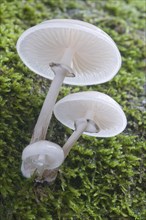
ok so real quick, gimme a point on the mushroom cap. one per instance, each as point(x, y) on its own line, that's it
point(95, 57)
point(40, 156)
point(101, 109)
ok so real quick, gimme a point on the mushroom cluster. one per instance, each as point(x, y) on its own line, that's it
point(76, 53)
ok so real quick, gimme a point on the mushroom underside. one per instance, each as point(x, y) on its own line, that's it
point(40, 156)
point(95, 57)
point(103, 111)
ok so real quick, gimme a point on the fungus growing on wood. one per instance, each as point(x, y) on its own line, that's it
point(73, 52)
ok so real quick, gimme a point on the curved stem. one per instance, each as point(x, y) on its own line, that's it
point(81, 126)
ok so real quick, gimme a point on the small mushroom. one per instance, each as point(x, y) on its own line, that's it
point(41, 157)
point(77, 53)
point(91, 113)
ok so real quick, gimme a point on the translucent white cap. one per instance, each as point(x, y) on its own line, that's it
point(40, 156)
point(105, 112)
point(89, 51)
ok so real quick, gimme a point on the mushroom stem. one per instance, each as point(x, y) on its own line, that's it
point(45, 115)
point(60, 70)
point(81, 126)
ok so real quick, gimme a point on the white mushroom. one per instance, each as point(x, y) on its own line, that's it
point(67, 48)
point(92, 53)
point(91, 113)
point(40, 157)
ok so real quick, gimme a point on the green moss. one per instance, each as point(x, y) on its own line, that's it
point(101, 179)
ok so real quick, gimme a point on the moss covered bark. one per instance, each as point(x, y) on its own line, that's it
point(102, 179)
